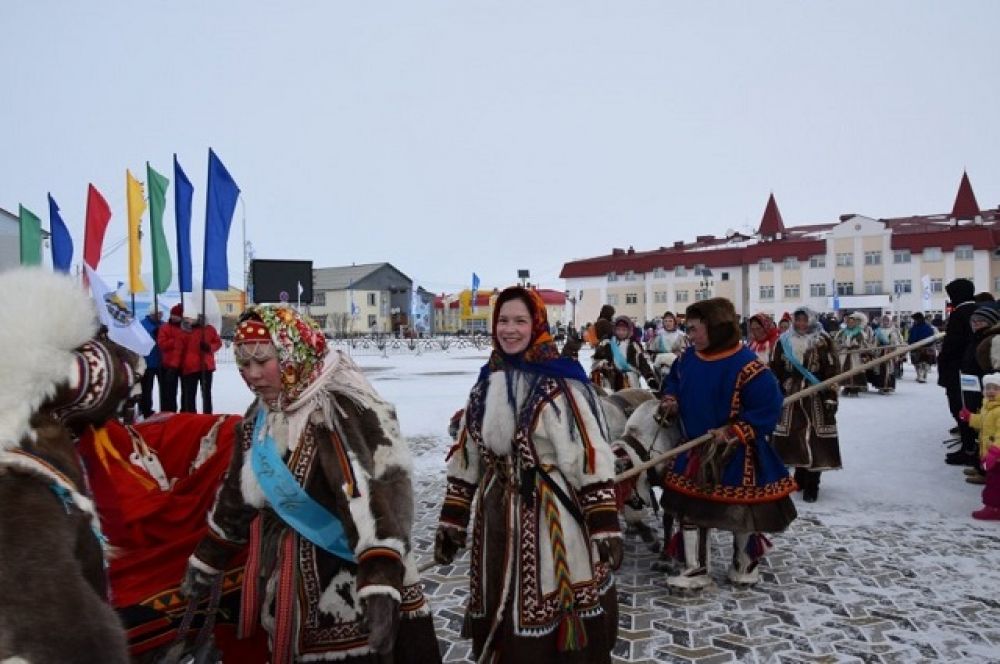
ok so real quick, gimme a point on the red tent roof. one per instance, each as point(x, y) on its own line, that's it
point(966, 206)
point(771, 223)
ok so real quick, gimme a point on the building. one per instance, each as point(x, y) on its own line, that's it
point(10, 240)
point(231, 302)
point(855, 263)
point(454, 313)
point(364, 298)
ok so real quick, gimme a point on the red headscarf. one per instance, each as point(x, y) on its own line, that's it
point(771, 333)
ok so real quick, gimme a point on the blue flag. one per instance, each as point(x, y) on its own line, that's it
point(475, 290)
point(220, 203)
point(62, 243)
point(183, 193)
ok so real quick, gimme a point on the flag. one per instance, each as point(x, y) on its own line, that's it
point(301, 289)
point(122, 326)
point(183, 193)
point(836, 295)
point(475, 290)
point(925, 293)
point(354, 307)
point(98, 216)
point(969, 383)
point(220, 203)
point(31, 237)
point(62, 243)
point(162, 271)
point(136, 203)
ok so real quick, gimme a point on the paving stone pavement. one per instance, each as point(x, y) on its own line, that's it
point(901, 591)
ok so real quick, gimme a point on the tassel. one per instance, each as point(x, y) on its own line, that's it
point(757, 546)
point(693, 465)
point(624, 491)
point(571, 635)
point(675, 547)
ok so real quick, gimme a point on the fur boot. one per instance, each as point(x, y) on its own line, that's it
point(747, 551)
point(694, 576)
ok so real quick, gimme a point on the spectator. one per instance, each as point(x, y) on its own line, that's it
point(170, 338)
point(151, 322)
point(199, 365)
point(957, 338)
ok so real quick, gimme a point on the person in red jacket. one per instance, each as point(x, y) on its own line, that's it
point(171, 340)
point(198, 365)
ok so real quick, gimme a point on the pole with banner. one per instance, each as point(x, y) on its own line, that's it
point(475, 290)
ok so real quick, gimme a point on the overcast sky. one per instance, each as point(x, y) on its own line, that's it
point(452, 137)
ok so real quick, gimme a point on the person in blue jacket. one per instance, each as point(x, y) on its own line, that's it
point(736, 481)
point(151, 323)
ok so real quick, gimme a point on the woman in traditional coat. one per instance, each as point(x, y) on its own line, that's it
point(854, 343)
point(622, 359)
point(319, 489)
point(533, 454)
point(763, 336)
point(888, 337)
point(806, 435)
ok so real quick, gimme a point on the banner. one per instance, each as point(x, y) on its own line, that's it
point(183, 193)
point(136, 203)
point(220, 203)
point(162, 270)
point(970, 383)
point(925, 292)
point(31, 237)
point(475, 290)
point(836, 295)
point(98, 216)
point(62, 243)
point(114, 314)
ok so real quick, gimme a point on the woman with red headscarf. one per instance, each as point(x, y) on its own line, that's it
point(532, 448)
point(763, 336)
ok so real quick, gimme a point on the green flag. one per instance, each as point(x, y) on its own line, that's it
point(162, 272)
point(31, 237)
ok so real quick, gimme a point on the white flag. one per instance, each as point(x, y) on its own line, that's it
point(301, 289)
point(925, 284)
point(970, 383)
point(122, 326)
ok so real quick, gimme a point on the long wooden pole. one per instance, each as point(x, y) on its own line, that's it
point(792, 398)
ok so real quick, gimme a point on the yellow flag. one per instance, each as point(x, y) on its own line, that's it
point(136, 206)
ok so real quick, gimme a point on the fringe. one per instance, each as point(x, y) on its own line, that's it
point(757, 546)
point(571, 635)
point(674, 548)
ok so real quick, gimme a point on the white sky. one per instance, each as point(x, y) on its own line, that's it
point(452, 137)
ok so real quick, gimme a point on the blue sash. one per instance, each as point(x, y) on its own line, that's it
point(786, 345)
point(290, 501)
point(616, 353)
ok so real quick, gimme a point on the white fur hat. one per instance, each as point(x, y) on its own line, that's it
point(991, 379)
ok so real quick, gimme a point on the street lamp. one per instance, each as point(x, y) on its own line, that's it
point(572, 301)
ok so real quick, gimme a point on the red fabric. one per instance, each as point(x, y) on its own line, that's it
point(154, 532)
point(194, 359)
point(98, 216)
point(171, 339)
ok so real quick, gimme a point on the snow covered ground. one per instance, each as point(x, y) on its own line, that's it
point(887, 566)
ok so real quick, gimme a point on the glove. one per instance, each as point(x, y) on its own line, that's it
point(382, 617)
point(447, 542)
point(205, 348)
point(197, 583)
point(992, 458)
point(965, 414)
point(611, 551)
point(668, 407)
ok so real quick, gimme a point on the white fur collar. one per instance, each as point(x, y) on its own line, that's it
point(499, 419)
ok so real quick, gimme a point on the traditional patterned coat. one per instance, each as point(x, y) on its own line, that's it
point(345, 449)
point(633, 354)
point(854, 347)
point(535, 456)
point(806, 434)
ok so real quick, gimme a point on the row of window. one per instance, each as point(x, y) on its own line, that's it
point(899, 287)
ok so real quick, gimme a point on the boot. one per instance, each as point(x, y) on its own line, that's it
point(987, 513)
point(744, 570)
point(810, 485)
point(694, 576)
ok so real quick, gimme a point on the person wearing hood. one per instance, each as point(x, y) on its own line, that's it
point(619, 361)
point(923, 357)
point(854, 343)
point(806, 435)
point(735, 481)
point(172, 340)
point(602, 328)
point(888, 338)
point(532, 456)
point(983, 318)
point(151, 322)
point(762, 336)
point(958, 336)
point(667, 345)
point(319, 493)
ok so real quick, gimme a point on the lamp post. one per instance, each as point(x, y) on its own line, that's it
point(572, 301)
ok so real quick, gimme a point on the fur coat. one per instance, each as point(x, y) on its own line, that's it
point(854, 349)
point(344, 447)
point(507, 457)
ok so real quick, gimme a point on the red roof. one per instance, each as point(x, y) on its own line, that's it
point(771, 224)
point(965, 206)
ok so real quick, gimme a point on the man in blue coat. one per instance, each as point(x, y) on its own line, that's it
point(151, 323)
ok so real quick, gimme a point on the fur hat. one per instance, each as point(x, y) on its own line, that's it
point(626, 321)
point(719, 317)
point(603, 329)
point(857, 316)
point(988, 313)
point(177, 311)
point(607, 312)
point(991, 379)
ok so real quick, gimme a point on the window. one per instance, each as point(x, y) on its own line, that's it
point(901, 256)
point(900, 286)
point(319, 299)
point(765, 265)
point(372, 320)
point(701, 294)
point(845, 260)
point(817, 290)
point(682, 296)
point(932, 254)
point(229, 307)
point(631, 298)
point(996, 283)
point(612, 276)
point(660, 297)
point(724, 276)
point(372, 299)
point(817, 261)
point(937, 285)
point(630, 275)
point(963, 252)
point(873, 287)
point(613, 300)
point(873, 258)
point(791, 263)
point(659, 273)
point(680, 271)
point(845, 288)
point(767, 292)
point(791, 291)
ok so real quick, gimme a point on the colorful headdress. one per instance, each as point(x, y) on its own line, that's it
point(298, 339)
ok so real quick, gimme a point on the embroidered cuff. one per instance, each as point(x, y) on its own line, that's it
point(368, 591)
point(599, 509)
point(743, 431)
point(457, 503)
point(380, 567)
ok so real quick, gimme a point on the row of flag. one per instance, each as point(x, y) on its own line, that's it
point(220, 204)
